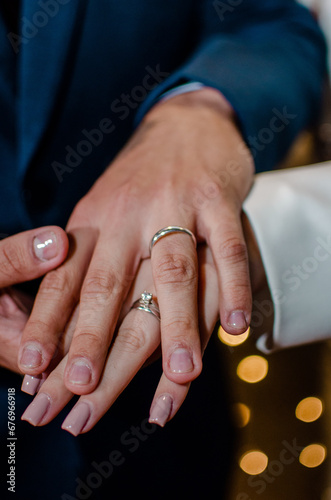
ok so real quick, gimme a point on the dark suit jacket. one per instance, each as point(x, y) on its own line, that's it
point(77, 65)
point(74, 82)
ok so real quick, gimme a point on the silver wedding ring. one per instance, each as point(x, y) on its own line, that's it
point(170, 230)
point(147, 303)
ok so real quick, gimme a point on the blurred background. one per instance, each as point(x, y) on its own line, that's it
point(281, 403)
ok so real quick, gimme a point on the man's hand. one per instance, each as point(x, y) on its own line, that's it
point(15, 308)
point(186, 166)
point(137, 339)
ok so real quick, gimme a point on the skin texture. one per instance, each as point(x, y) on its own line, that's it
point(185, 165)
point(24, 257)
point(137, 339)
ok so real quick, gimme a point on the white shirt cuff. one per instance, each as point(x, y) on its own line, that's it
point(290, 212)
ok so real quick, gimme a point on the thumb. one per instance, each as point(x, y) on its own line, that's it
point(31, 254)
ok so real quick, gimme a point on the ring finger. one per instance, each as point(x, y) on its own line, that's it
point(175, 272)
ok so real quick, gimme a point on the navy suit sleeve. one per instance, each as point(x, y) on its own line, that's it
point(268, 58)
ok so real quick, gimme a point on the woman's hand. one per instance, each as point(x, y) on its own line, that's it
point(186, 166)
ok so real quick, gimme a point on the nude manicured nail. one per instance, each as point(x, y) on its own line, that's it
point(181, 361)
point(36, 411)
point(237, 320)
point(161, 410)
point(77, 419)
point(30, 384)
point(45, 246)
point(80, 373)
point(31, 357)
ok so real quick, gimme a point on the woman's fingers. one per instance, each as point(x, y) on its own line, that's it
point(31, 254)
point(136, 340)
point(57, 297)
point(175, 272)
point(31, 384)
point(167, 400)
point(51, 398)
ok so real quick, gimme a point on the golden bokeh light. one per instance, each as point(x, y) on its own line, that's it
point(309, 409)
point(232, 340)
point(312, 455)
point(252, 369)
point(242, 414)
point(253, 462)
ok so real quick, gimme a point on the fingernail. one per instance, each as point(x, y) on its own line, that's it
point(31, 357)
point(161, 410)
point(36, 411)
point(77, 419)
point(237, 320)
point(45, 246)
point(80, 373)
point(181, 361)
point(30, 384)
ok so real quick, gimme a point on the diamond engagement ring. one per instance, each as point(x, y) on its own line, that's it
point(169, 230)
point(147, 303)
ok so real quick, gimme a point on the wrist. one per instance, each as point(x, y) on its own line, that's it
point(204, 98)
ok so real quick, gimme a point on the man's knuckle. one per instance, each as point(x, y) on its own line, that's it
point(57, 282)
point(233, 250)
point(100, 285)
point(238, 292)
point(89, 341)
point(181, 324)
point(239, 284)
point(175, 268)
point(131, 339)
point(38, 326)
point(127, 195)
